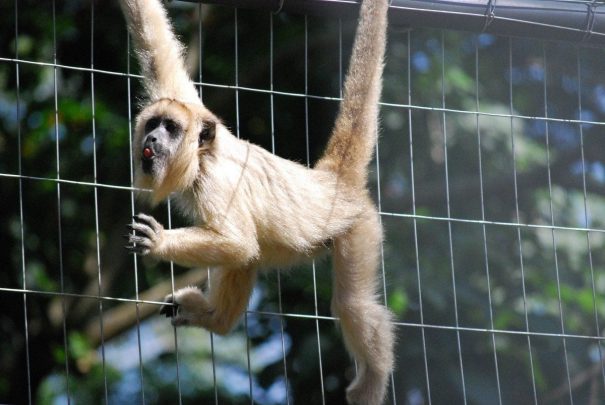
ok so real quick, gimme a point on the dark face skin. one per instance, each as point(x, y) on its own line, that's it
point(161, 139)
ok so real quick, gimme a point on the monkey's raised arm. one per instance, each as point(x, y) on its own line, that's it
point(160, 54)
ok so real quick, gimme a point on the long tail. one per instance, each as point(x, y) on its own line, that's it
point(353, 138)
point(160, 54)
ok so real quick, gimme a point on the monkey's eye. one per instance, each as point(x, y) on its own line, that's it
point(152, 124)
point(171, 126)
point(208, 132)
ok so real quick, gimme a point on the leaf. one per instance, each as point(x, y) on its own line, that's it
point(78, 345)
point(398, 301)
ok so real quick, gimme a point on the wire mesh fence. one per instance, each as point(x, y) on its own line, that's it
point(489, 177)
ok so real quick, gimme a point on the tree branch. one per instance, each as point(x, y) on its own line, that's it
point(124, 316)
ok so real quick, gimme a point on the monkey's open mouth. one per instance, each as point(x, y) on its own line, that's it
point(148, 153)
point(147, 159)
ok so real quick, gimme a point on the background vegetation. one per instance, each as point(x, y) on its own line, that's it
point(488, 171)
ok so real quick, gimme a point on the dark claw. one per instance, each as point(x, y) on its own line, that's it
point(142, 220)
point(138, 240)
point(169, 309)
point(134, 249)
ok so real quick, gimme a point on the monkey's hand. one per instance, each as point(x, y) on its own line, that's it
point(146, 235)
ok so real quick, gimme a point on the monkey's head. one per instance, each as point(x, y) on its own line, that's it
point(171, 140)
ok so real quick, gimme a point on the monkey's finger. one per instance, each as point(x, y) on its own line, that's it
point(140, 241)
point(137, 249)
point(149, 227)
point(132, 248)
point(143, 229)
point(149, 221)
point(134, 240)
point(139, 235)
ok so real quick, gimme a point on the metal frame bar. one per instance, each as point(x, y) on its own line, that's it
point(567, 20)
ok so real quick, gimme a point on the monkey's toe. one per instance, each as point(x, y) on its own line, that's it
point(169, 309)
point(137, 249)
point(179, 321)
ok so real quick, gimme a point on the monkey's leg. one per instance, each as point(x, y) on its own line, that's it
point(228, 294)
point(366, 325)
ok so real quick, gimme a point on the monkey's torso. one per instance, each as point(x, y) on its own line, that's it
point(293, 211)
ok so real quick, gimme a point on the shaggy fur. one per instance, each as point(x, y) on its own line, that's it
point(251, 209)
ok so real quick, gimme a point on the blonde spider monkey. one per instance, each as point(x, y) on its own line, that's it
point(253, 210)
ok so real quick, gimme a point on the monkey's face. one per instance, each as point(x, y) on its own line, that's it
point(161, 138)
point(170, 139)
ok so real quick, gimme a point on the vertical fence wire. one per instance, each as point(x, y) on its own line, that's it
point(132, 213)
point(96, 198)
point(314, 263)
point(200, 87)
point(414, 218)
point(518, 219)
point(484, 226)
point(58, 188)
point(597, 330)
point(175, 333)
point(237, 133)
point(382, 266)
point(208, 270)
point(279, 285)
point(552, 221)
point(449, 216)
point(21, 212)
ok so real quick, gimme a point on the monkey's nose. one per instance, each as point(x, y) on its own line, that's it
point(149, 140)
point(149, 147)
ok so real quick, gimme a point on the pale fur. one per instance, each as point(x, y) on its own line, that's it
point(252, 210)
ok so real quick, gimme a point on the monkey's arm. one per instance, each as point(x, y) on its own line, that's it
point(191, 246)
point(160, 54)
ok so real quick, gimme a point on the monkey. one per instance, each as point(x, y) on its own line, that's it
point(251, 210)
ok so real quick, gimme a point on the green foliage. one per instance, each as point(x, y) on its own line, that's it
point(398, 301)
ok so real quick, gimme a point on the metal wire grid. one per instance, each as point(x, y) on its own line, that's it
point(412, 217)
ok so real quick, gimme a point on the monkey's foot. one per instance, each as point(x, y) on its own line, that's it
point(186, 307)
point(170, 308)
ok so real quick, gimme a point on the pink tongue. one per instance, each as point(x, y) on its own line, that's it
point(147, 152)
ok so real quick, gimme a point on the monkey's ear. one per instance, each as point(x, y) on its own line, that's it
point(207, 133)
